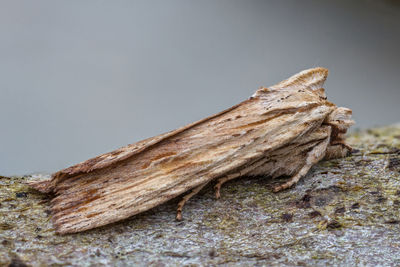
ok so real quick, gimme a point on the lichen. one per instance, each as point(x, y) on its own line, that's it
point(343, 203)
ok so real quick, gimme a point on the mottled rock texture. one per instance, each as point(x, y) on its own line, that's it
point(344, 212)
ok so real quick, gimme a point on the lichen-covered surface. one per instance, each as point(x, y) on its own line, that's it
point(345, 212)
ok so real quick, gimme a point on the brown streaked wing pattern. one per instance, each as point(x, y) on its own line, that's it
point(135, 178)
point(179, 163)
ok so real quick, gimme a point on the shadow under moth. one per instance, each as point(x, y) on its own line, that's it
point(281, 130)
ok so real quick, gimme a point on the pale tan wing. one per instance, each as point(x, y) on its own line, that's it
point(311, 78)
point(185, 158)
point(110, 158)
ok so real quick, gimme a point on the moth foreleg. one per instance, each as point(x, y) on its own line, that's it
point(234, 175)
point(186, 198)
point(313, 156)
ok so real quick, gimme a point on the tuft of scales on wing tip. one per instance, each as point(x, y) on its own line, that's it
point(312, 79)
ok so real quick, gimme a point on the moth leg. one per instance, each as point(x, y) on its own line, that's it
point(232, 176)
point(223, 180)
point(313, 156)
point(186, 198)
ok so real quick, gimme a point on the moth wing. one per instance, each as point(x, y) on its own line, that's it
point(108, 189)
point(111, 158)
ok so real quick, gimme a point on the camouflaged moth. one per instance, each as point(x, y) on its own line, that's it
point(281, 130)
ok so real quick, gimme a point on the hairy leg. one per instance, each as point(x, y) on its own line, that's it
point(244, 171)
point(313, 156)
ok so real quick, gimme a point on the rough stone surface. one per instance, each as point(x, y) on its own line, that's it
point(345, 212)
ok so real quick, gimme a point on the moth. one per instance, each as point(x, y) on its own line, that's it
point(282, 130)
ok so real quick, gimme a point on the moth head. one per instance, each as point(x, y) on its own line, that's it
point(306, 86)
point(340, 121)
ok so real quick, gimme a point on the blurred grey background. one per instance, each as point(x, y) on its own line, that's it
point(80, 78)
